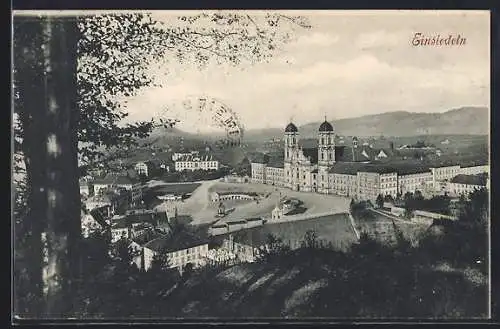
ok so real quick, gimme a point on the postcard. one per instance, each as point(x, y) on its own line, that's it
point(218, 165)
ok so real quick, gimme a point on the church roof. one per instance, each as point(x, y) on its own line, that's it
point(276, 162)
point(401, 168)
point(353, 154)
point(308, 142)
point(291, 128)
point(311, 153)
point(326, 126)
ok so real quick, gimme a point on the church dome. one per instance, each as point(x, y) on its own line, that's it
point(291, 128)
point(326, 126)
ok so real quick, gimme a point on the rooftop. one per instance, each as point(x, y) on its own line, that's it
point(479, 180)
point(326, 127)
point(237, 192)
point(291, 128)
point(99, 215)
point(128, 220)
point(401, 168)
point(147, 236)
point(196, 158)
point(311, 153)
point(169, 243)
point(111, 179)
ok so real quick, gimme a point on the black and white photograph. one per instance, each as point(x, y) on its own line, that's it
point(217, 165)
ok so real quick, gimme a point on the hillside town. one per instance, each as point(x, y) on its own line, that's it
point(221, 165)
point(272, 195)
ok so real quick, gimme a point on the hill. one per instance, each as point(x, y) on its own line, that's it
point(461, 121)
point(329, 284)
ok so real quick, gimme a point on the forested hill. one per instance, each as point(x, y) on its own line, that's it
point(461, 121)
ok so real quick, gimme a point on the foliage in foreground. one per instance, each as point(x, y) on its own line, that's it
point(371, 280)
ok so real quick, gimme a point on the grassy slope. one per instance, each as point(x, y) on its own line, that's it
point(328, 284)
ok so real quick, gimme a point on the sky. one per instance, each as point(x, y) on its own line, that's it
point(348, 64)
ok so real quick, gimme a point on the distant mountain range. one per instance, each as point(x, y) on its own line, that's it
point(461, 121)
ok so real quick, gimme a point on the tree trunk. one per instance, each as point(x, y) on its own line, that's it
point(47, 79)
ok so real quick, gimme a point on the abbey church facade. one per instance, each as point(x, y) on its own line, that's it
point(357, 171)
point(325, 168)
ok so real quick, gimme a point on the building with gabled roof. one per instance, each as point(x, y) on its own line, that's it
point(182, 248)
point(96, 220)
point(146, 168)
point(136, 222)
point(192, 162)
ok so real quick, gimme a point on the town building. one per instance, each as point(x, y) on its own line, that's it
point(113, 182)
point(109, 200)
point(181, 249)
point(236, 179)
point(221, 227)
point(225, 196)
point(177, 155)
point(196, 162)
point(136, 222)
point(145, 168)
point(444, 173)
point(475, 170)
point(415, 181)
point(85, 189)
point(95, 221)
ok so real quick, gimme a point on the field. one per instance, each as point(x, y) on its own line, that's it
point(176, 188)
point(335, 229)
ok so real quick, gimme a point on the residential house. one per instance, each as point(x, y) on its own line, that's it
point(136, 222)
point(112, 181)
point(120, 229)
point(84, 188)
point(137, 245)
point(146, 168)
point(181, 249)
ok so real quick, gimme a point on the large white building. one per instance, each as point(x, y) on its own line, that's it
point(195, 162)
point(352, 171)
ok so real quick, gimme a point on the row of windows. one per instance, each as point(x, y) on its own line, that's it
point(188, 251)
point(195, 164)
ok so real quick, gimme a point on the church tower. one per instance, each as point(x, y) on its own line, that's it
point(326, 155)
point(326, 145)
point(291, 148)
point(291, 141)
